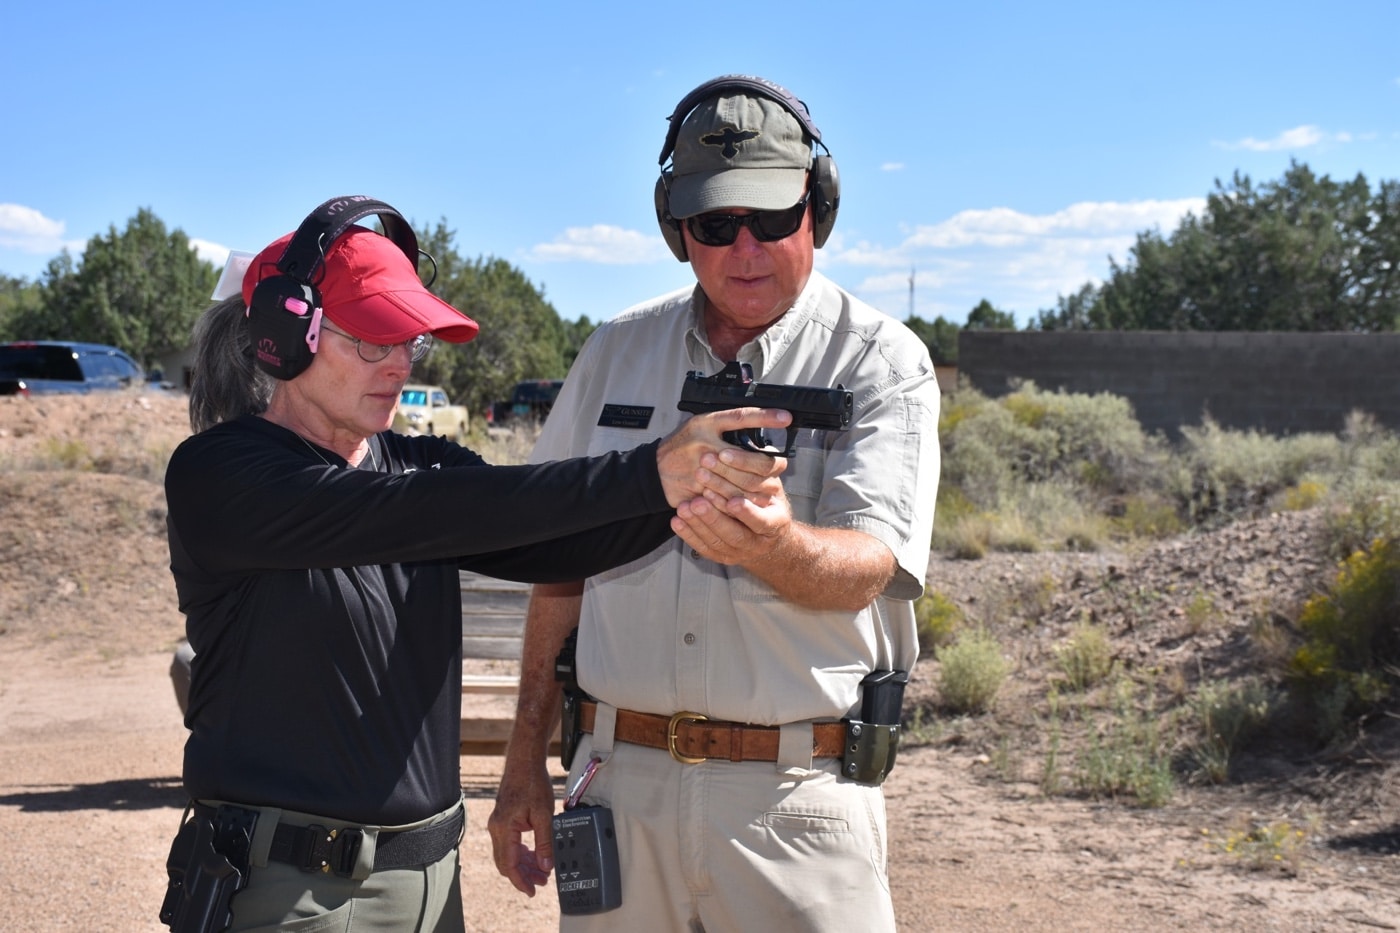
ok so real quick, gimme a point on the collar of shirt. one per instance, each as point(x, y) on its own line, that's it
point(766, 349)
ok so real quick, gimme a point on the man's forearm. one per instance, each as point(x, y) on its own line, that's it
point(826, 568)
point(553, 613)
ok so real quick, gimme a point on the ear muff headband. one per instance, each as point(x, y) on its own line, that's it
point(715, 86)
point(825, 182)
point(284, 315)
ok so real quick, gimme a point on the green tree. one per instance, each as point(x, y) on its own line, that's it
point(19, 300)
point(139, 289)
point(1299, 254)
point(575, 333)
point(1072, 312)
point(986, 317)
point(939, 335)
point(522, 336)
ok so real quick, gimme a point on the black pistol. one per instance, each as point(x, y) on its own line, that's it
point(733, 387)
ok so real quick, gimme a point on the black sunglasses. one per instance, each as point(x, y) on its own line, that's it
point(717, 229)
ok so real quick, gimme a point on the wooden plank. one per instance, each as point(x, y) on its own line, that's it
point(499, 684)
point(493, 748)
point(495, 649)
point(489, 736)
point(493, 627)
point(488, 603)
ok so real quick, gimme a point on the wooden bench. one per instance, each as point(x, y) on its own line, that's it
point(493, 629)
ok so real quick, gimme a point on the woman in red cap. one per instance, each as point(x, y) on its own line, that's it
point(316, 557)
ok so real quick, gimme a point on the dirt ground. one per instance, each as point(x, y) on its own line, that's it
point(90, 748)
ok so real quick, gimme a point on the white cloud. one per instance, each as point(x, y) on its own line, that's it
point(28, 231)
point(602, 244)
point(210, 252)
point(1300, 137)
point(892, 167)
point(1004, 227)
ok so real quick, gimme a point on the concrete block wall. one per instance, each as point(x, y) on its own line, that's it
point(1278, 383)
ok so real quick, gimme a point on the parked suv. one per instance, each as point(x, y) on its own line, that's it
point(530, 400)
point(41, 367)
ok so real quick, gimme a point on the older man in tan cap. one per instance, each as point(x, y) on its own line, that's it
point(738, 689)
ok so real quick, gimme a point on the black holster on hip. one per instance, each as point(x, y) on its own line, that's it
point(565, 671)
point(207, 866)
point(872, 741)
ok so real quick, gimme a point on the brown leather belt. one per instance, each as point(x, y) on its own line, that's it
point(691, 738)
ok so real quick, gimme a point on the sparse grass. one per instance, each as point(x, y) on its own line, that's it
point(1146, 515)
point(1006, 759)
point(1272, 640)
point(1201, 613)
point(919, 728)
point(1085, 658)
point(1018, 601)
point(1083, 532)
point(938, 619)
point(1225, 717)
point(1011, 533)
point(1128, 754)
point(504, 446)
point(75, 455)
point(968, 537)
point(1035, 596)
point(1050, 777)
point(1276, 846)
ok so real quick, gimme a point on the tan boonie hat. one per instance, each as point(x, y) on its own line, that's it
point(738, 151)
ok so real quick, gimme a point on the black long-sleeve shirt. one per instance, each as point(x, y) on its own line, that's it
point(323, 602)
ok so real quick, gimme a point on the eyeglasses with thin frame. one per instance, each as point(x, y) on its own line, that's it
point(418, 347)
point(720, 229)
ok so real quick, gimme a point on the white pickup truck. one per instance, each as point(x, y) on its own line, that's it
point(427, 410)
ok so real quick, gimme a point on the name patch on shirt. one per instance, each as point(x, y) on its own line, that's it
point(625, 416)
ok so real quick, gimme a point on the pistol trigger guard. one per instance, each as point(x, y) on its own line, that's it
point(751, 439)
point(790, 449)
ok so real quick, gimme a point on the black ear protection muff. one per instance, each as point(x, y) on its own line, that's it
point(284, 316)
point(824, 183)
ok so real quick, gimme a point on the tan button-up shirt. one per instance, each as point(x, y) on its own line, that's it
point(672, 631)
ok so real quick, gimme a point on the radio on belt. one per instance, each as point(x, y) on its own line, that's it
point(585, 861)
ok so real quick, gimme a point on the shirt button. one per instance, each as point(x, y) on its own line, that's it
point(690, 638)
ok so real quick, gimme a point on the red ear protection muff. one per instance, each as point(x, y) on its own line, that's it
point(284, 315)
point(824, 184)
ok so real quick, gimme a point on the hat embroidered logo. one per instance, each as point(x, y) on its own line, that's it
point(729, 139)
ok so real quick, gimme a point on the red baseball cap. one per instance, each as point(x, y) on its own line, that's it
point(370, 289)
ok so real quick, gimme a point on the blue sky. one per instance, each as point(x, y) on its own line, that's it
point(1001, 150)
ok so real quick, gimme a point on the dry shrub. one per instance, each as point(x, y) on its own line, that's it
point(1085, 658)
point(971, 672)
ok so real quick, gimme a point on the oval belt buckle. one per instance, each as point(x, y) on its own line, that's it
point(676, 720)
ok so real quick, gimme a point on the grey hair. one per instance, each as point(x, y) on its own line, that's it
point(226, 384)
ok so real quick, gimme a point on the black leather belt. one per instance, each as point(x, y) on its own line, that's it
point(317, 848)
